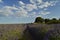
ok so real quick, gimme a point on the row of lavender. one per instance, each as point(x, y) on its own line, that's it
point(29, 31)
point(42, 32)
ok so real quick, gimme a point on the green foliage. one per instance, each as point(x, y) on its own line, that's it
point(54, 38)
point(39, 20)
point(47, 21)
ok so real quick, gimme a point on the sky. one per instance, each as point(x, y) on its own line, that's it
point(25, 11)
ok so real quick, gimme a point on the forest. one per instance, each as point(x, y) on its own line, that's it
point(47, 21)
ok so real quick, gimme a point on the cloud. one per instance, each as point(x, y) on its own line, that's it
point(27, 10)
point(32, 14)
point(42, 4)
point(36, 1)
point(44, 12)
point(7, 10)
point(47, 4)
point(1, 1)
point(13, 11)
point(45, 9)
point(30, 7)
point(21, 12)
point(21, 3)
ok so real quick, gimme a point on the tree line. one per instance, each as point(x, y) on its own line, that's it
point(47, 21)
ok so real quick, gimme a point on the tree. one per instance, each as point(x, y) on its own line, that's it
point(47, 20)
point(59, 20)
point(39, 20)
point(54, 21)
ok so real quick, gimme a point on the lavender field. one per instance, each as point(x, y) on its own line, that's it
point(29, 31)
point(11, 31)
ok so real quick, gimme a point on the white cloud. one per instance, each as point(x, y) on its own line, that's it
point(24, 9)
point(21, 12)
point(30, 7)
point(47, 4)
point(7, 10)
point(21, 3)
point(13, 11)
point(1, 1)
point(36, 1)
point(10, 8)
point(45, 9)
point(44, 12)
point(32, 14)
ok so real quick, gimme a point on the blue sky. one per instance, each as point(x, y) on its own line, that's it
point(25, 11)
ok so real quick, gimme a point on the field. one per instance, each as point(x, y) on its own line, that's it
point(29, 31)
point(11, 31)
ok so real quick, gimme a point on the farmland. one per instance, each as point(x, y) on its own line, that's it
point(29, 31)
